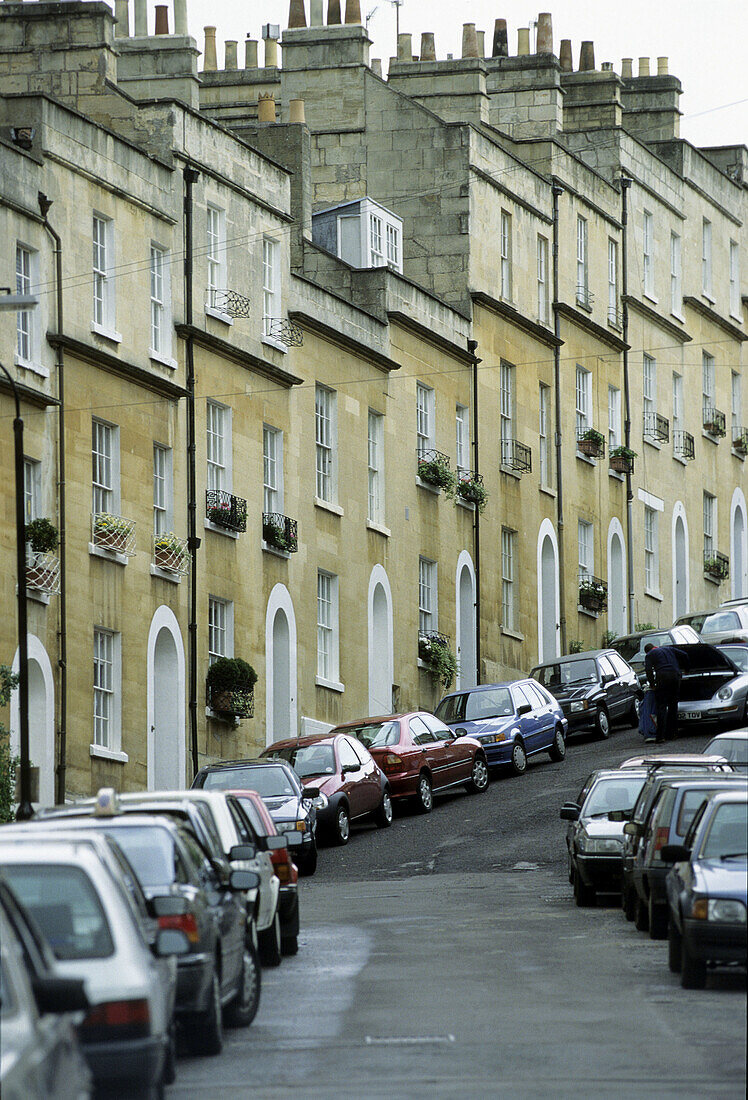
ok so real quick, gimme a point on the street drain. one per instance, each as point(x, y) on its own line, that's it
point(408, 1040)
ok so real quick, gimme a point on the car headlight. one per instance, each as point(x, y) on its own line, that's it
point(580, 704)
point(600, 845)
point(725, 693)
point(726, 909)
point(321, 802)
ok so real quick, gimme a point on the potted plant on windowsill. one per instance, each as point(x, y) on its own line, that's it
point(42, 537)
point(437, 654)
point(716, 568)
point(591, 443)
point(275, 535)
point(622, 460)
point(472, 489)
point(435, 471)
point(592, 594)
point(111, 532)
point(170, 552)
point(230, 686)
point(220, 514)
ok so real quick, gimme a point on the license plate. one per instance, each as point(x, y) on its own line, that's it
point(692, 714)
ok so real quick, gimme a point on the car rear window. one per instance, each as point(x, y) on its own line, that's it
point(451, 708)
point(727, 834)
point(270, 782)
point(565, 673)
point(613, 794)
point(738, 654)
point(734, 749)
point(494, 703)
point(690, 803)
point(307, 760)
point(66, 907)
point(634, 647)
point(721, 620)
point(376, 735)
point(150, 851)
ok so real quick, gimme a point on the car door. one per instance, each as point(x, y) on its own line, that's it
point(230, 916)
point(434, 752)
point(371, 784)
point(458, 756)
point(351, 775)
point(529, 723)
point(629, 682)
point(613, 687)
point(545, 711)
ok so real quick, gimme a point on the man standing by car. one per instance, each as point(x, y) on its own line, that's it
point(662, 665)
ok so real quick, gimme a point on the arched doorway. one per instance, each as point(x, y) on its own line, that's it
point(738, 546)
point(381, 653)
point(617, 602)
point(165, 703)
point(41, 718)
point(548, 600)
point(467, 675)
point(680, 561)
point(280, 667)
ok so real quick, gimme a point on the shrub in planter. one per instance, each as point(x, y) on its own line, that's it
point(42, 536)
point(622, 460)
point(473, 490)
point(437, 654)
point(275, 535)
point(230, 687)
point(591, 443)
point(716, 568)
point(169, 552)
point(436, 471)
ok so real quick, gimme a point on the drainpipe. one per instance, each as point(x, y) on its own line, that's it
point(625, 184)
point(62, 633)
point(190, 177)
point(472, 348)
point(557, 190)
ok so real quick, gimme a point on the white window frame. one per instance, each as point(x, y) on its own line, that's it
point(218, 446)
point(735, 280)
point(583, 398)
point(649, 387)
point(462, 439)
point(582, 261)
point(651, 550)
point(28, 323)
point(542, 280)
point(736, 402)
point(506, 255)
point(586, 547)
point(160, 289)
point(105, 489)
point(163, 489)
point(425, 419)
point(107, 690)
point(328, 630)
point(706, 258)
point(677, 402)
point(614, 418)
point(648, 254)
point(103, 269)
point(676, 271)
point(506, 409)
point(376, 241)
point(32, 489)
point(394, 246)
point(708, 384)
point(326, 440)
point(271, 283)
point(613, 318)
point(215, 254)
point(508, 579)
point(375, 466)
point(220, 628)
point(709, 514)
point(544, 444)
point(428, 595)
point(272, 469)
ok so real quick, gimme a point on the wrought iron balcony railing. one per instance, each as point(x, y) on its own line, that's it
point(716, 565)
point(585, 297)
point(591, 443)
point(516, 456)
point(740, 441)
point(113, 533)
point(434, 468)
point(280, 532)
point(43, 572)
point(656, 427)
point(470, 488)
point(615, 317)
point(171, 553)
point(226, 510)
point(229, 302)
point(684, 446)
point(714, 423)
point(593, 592)
point(284, 331)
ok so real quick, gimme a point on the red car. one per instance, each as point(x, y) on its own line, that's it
point(420, 755)
point(346, 780)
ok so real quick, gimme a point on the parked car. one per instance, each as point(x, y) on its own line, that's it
point(291, 807)
point(713, 690)
point(73, 888)
point(595, 689)
point(668, 822)
point(345, 773)
point(631, 646)
point(421, 756)
point(594, 836)
point(283, 865)
point(738, 654)
point(41, 1057)
point(707, 890)
point(512, 721)
point(692, 761)
point(218, 978)
point(694, 619)
point(733, 746)
point(728, 624)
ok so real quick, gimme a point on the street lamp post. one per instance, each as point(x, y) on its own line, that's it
point(25, 809)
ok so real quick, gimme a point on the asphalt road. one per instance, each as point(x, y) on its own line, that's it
point(444, 957)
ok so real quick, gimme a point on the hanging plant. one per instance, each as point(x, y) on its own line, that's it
point(436, 471)
point(437, 654)
point(471, 488)
point(42, 536)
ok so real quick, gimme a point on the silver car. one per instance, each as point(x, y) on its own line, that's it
point(75, 888)
point(728, 624)
point(713, 690)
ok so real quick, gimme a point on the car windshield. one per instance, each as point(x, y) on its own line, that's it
point(66, 907)
point(149, 850)
point(493, 703)
point(738, 654)
point(727, 834)
point(633, 648)
point(721, 620)
point(565, 673)
point(696, 621)
point(377, 734)
point(309, 760)
point(613, 794)
point(269, 782)
point(450, 709)
point(734, 749)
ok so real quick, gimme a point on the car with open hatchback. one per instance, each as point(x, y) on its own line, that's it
point(595, 689)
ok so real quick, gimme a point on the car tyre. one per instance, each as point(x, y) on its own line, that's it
point(674, 948)
point(634, 712)
point(602, 724)
point(478, 782)
point(243, 1009)
point(424, 794)
point(641, 915)
point(584, 895)
point(342, 826)
point(658, 920)
point(206, 1030)
point(692, 971)
point(290, 945)
point(557, 751)
point(307, 864)
point(628, 901)
point(384, 814)
point(169, 1074)
point(270, 943)
point(519, 759)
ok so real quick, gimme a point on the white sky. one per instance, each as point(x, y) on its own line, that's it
point(705, 41)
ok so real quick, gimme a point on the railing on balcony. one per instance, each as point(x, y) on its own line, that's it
point(740, 441)
point(615, 317)
point(43, 572)
point(684, 446)
point(225, 510)
point(585, 297)
point(280, 532)
point(516, 456)
point(714, 423)
point(470, 488)
point(434, 468)
point(171, 554)
point(716, 565)
point(229, 302)
point(113, 533)
point(284, 331)
point(590, 443)
point(656, 427)
point(593, 593)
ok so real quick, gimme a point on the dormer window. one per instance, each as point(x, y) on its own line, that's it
point(362, 233)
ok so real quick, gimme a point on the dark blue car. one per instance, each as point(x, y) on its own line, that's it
point(512, 721)
point(707, 889)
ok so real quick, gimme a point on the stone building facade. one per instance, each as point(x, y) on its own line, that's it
point(229, 421)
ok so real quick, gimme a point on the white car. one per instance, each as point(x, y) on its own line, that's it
point(74, 888)
point(728, 624)
point(733, 746)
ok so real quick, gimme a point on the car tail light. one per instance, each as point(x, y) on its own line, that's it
point(184, 923)
point(662, 837)
point(392, 763)
point(117, 1020)
point(281, 865)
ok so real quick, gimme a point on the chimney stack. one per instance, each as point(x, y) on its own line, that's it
point(296, 14)
point(353, 11)
point(662, 66)
point(266, 107)
point(231, 61)
point(469, 40)
point(428, 46)
point(481, 36)
point(296, 110)
point(567, 63)
point(587, 57)
point(404, 47)
point(250, 53)
point(500, 40)
point(376, 66)
point(333, 12)
point(271, 53)
point(523, 42)
point(210, 62)
point(316, 14)
point(643, 66)
point(122, 14)
point(162, 19)
point(545, 33)
point(141, 19)
point(180, 17)
point(627, 70)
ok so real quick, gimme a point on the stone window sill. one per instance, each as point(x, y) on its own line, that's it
point(707, 294)
point(36, 595)
point(652, 443)
point(738, 454)
point(378, 527)
point(331, 685)
point(276, 550)
point(711, 579)
point(219, 315)
point(587, 459)
point(328, 506)
point(165, 575)
point(428, 486)
point(654, 595)
point(273, 343)
point(108, 754)
point(107, 333)
point(30, 365)
point(510, 473)
point(678, 458)
point(164, 360)
point(586, 611)
point(512, 634)
point(107, 555)
point(220, 530)
point(678, 316)
point(712, 438)
point(650, 298)
point(468, 505)
point(615, 475)
point(548, 491)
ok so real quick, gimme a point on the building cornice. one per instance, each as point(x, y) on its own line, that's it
point(28, 393)
point(716, 318)
point(90, 354)
point(425, 333)
point(584, 322)
point(657, 319)
point(335, 336)
point(540, 332)
point(516, 199)
point(237, 355)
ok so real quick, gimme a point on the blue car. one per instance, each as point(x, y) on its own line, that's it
point(512, 721)
point(707, 889)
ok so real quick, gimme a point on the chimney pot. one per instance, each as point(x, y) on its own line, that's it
point(141, 19)
point(500, 40)
point(353, 11)
point(564, 56)
point(266, 107)
point(481, 36)
point(316, 14)
point(607, 66)
point(271, 54)
point(469, 40)
point(231, 54)
point(210, 62)
point(523, 42)
point(180, 17)
point(587, 57)
point(545, 33)
point(404, 47)
point(296, 14)
point(643, 66)
point(250, 53)
point(428, 46)
point(662, 66)
point(333, 12)
point(296, 110)
point(627, 70)
point(376, 66)
point(450, 57)
point(122, 15)
point(162, 19)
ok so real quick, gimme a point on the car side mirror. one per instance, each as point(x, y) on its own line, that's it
point(569, 812)
point(347, 768)
point(243, 880)
point(311, 792)
point(523, 708)
point(275, 843)
point(607, 678)
point(167, 905)
point(675, 853)
point(293, 839)
point(242, 851)
point(632, 828)
point(56, 995)
point(170, 941)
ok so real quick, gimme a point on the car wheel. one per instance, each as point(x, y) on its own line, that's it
point(243, 1009)
point(478, 781)
point(641, 915)
point(270, 943)
point(424, 794)
point(634, 711)
point(658, 919)
point(557, 751)
point(342, 826)
point(584, 895)
point(307, 864)
point(383, 816)
point(692, 971)
point(674, 942)
point(206, 1031)
point(628, 901)
point(169, 1074)
point(602, 724)
point(519, 758)
point(290, 945)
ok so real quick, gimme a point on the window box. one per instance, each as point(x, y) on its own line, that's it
point(471, 489)
point(740, 441)
point(434, 469)
point(43, 572)
point(593, 593)
point(171, 553)
point(716, 565)
point(230, 687)
point(621, 460)
point(714, 423)
point(225, 510)
point(656, 427)
point(280, 532)
point(684, 446)
point(113, 533)
point(436, 653)
point(590, 442)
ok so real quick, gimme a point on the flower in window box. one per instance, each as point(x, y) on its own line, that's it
point(472, 489)
point(111, 532)
point(435, 651)
point(220, 514)
point(622, 460)
point(169, 552)
point(436, 471)
point(230, 685)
